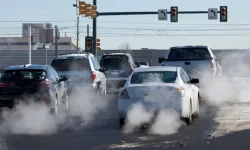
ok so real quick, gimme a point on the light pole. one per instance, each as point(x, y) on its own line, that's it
point(77, 26)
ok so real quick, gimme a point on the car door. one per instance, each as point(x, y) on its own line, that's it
point(188, 87)
point(59, 84)
point(99, 74)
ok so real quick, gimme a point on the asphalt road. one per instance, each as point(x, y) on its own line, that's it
point(226, 127)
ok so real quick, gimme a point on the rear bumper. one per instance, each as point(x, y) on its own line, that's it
point(115, 84)
point(180, 105)
point(81, 86)
point(10, 100)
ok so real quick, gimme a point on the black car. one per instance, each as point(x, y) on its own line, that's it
point(36, 82)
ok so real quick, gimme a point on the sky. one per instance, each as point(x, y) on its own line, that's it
point(140, 31)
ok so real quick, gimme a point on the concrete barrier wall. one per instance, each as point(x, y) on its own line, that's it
point(16, 57)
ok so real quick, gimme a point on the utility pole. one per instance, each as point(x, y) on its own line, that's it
point(30, 43)
point(94, 31)
point(77, 30)
point(77, 34)
point(56, 38)
point(77, 25)
point(87, 30)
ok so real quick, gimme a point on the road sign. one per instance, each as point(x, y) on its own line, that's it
point(162, 14)
point(212, 14)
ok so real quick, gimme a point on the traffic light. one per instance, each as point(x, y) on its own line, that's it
point(174, 14)
point(223, 13)
point(82, 6)
point(88, 10)
point(93, 11)
point(88, 44)
point(98, 44)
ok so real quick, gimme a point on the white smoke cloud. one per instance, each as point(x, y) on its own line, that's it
point(35, 118)
point(160, 115)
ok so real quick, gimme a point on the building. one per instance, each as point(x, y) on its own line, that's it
point(22, 42)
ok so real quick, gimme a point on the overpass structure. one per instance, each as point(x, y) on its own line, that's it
point(15, 57)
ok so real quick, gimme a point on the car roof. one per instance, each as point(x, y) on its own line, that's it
point(65, 56)
point(157, 68)
point(190, 46)
point(27, 66)
point(117, 54)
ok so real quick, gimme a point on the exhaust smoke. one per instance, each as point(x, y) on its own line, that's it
point(35, 118)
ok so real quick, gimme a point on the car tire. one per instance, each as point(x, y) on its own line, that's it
point(54, 111)
point(66, 101)
point(189, 119)
point(197, 112)
point(122, 122)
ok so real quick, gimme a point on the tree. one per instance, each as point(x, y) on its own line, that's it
point(125, 46)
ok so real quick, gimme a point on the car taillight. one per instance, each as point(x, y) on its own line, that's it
point(45, 83)
point(93, 76)
point(131, 68)
point(3, 84)
point(123, 94)
point(212, 66)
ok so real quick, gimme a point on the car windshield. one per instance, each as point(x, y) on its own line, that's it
point(116, 62)
point(71, 64)
point(189, 54)
point(20, 75)
point(153, 77)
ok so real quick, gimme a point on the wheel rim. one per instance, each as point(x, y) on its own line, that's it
point(67, 102)
point(190, 113)
point(56, 106)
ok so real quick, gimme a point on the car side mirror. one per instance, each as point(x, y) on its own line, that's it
point(194, 81)
point(63, 78)
point(102, 69)
point(160, 60)
point(137, 64)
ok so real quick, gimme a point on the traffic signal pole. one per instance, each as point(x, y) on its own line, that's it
point(94, 31)
point(146, 13)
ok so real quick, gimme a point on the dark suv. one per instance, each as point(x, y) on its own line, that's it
point(36, 82)
point(117, 67)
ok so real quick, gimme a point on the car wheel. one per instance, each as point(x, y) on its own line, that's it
point(122, 122)
point(197, 112)
point(66, 101)
point(189, 119)
point(105, 91)
point(54, 110)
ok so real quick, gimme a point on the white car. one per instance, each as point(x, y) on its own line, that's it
point(159, 88)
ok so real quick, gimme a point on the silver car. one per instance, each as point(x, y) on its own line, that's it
point(81, 70)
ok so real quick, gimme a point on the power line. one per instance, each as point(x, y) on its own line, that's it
point(121, 22)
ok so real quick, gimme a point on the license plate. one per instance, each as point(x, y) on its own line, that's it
point(114, 73)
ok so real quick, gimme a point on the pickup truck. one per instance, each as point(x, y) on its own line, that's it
point(198, 61)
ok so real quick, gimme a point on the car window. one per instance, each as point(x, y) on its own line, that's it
point(189, 54)
point(20, 75)
point(131, 60)
point(95, 63)
point(74, 64)
point(153, 77)
point(51, 75)
point(184, 77)
point(55, 73)
point(115, 62)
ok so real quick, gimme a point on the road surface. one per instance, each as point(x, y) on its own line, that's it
point(217, 128)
